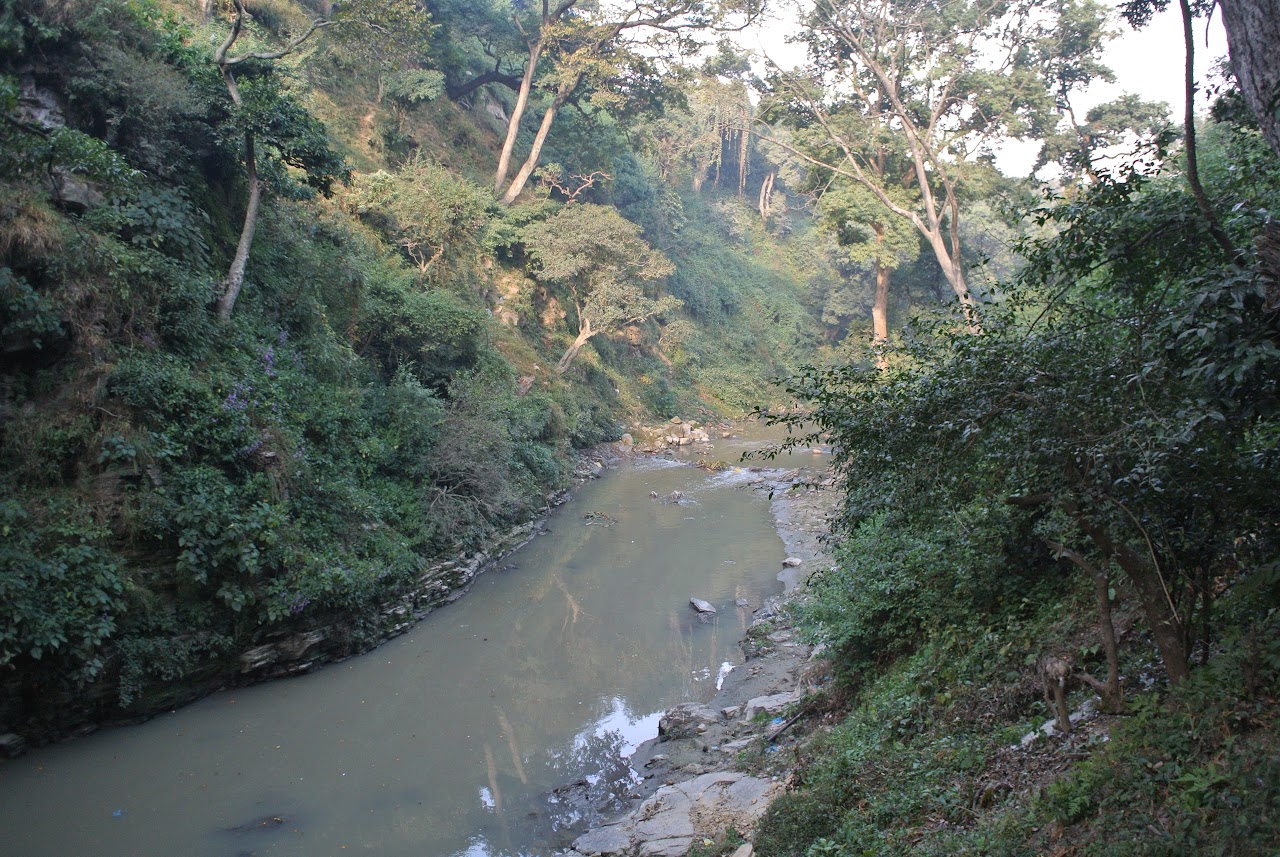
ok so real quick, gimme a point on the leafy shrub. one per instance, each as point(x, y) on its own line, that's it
point(60, 588)
point(425, 210)
point(900, 580)
point(431, 332)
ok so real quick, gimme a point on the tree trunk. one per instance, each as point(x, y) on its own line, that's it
point(1110, 691)
point(1112, 698)
point(1253, 39)
point(880, 311)
point(517, 113)
point(1154, 599)
point(766, 197)
point(235, 275)
point(1189, 135)
point(206, 9)
point(572, 351)
point(535, 151)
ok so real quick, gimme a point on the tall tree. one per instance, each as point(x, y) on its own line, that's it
point(590, 43)
point(944, 82)
point(374, 18)
point(607, 267)
point(870, 238)
point(1253, 38)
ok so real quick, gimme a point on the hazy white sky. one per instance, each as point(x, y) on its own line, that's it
point(1147, 62)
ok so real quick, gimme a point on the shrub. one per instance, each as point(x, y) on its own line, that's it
point(60, 588)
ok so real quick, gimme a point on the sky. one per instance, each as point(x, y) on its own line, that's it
point(1147, 62)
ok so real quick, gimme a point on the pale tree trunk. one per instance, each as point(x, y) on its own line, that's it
point(517, 113)
point(571, 352)
point(206, 9)
point(880, 313)
point(235, 275)
point(1253, 38)
point(700, 176)
point(535, 151)
point(766, 197)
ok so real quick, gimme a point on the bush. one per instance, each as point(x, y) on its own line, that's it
point(901, 580)
point(61, 589)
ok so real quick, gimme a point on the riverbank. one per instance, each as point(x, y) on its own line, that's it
point(310, 640)
point(287, 651)
point(706, 777)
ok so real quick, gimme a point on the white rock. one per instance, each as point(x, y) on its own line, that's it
point(792, 561)
point(771, 704)
point(702, 606)
point(604, 840)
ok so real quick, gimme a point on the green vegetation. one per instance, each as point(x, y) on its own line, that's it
point(300, 301)
point(1073, 487)
point(273, 351)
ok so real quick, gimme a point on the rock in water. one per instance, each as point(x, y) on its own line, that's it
point(702, 606)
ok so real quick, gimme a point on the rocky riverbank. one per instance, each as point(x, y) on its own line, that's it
point(705, 773)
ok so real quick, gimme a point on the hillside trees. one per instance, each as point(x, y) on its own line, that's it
point(592, 44)
point(297, 139)
point(1121, 401)
point(694, 143)
point(940, 84)
point(601, 258)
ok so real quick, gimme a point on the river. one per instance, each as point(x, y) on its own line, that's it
point(454, 738)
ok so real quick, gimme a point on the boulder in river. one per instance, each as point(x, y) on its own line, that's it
point(12, 745)
point(702, 606)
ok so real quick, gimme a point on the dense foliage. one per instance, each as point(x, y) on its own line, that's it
point(301, 301)
point(382, 394)
point(1087, 477)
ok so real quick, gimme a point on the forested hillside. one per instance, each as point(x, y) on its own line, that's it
point(1054, 625)
point(303, 304)
point(274, 350)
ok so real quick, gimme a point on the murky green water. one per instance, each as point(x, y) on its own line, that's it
point(451, 739)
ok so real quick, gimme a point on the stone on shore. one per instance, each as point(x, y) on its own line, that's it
point(668, 823)
point(792, 561)
point(603, 840)
point(771, 704)
point(685, 720)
